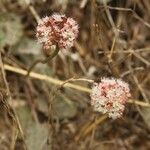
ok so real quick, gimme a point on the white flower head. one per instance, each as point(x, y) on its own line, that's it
point(109, 96)
point(57, 30)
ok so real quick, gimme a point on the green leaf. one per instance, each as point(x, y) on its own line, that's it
point(146, 115)
point(27, 46)
point(36, 137)
point(103, 1)
point(64, 108)
point(10, 29)
point(35, 133)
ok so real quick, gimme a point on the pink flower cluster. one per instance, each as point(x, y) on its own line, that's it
point(109, 96)
point(57, 30)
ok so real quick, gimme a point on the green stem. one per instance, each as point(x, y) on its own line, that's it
point(44, 61)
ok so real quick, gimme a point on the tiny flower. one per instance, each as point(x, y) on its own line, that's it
point(57, 31)
point(110, 96)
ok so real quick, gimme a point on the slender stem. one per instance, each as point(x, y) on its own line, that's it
point(99, 120)
point(60, 82)
point(88, 127)
point(43, 61)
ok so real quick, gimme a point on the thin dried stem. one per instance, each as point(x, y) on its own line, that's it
point(32, 10)
point(43, 61)
point(142, 59)
point(45, 78)
point(146, 49)
point(59, 82)
point(112, 50)
point(87, 128)
point(138, 84)
point(133, 12)
point(10, 109)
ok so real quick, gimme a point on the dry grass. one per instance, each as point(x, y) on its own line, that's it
point(114, 40)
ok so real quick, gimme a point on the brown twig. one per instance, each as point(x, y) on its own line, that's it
point(59, 82)
point(87, 128)
point(133, 12)
point(43, 61)
point(32, 10)
point(10, 109)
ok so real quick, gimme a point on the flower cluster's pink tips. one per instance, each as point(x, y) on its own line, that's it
point(57, 30)
point(110, 96)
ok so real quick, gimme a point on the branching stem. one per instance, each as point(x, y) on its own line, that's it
point(43, 61)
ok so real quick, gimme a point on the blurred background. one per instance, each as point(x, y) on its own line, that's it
point(113, 41)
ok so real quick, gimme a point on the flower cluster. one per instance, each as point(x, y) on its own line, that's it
point(57, 30)
point(109, 96)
